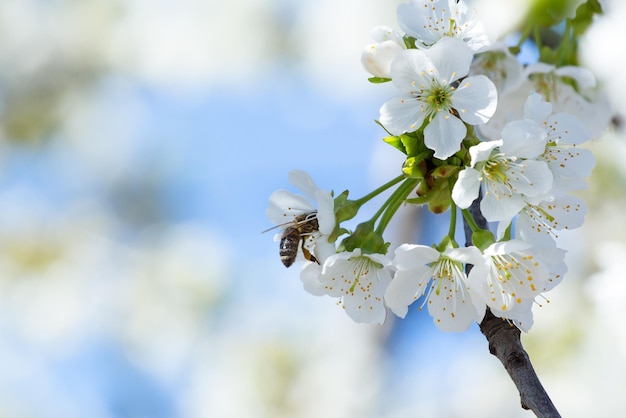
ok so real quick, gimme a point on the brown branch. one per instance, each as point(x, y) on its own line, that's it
point(505, 344)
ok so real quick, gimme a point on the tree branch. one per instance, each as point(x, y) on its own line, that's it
point(505, 344)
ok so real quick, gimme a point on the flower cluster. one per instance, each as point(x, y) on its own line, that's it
point(483, 135)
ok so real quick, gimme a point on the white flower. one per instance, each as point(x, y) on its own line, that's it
point(584, 101)
point(285, 208)
point(520, 314)
point(449, 298)
point(434, 93)
point(360, 280)
point(569, 164)
point(540, 223)
point(428, 21)
point(511, 273)
point(502, 68)
point(507, 180)
point(376, 58)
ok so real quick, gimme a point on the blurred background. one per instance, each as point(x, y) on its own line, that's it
point(139, 143)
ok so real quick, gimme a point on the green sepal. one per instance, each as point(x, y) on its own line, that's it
point(584, 16)
point(446, 242)
point(337, 232)
point(445, 171)
point(547, 55)
point(414, 168)
point(414, 144)
point(344, 208)
point(378, 80)
point(482, 239)
point(547, 13)
point(396, 142)
point(365, 238)
point(409, 41)
point(439, 198)
point(418, 200)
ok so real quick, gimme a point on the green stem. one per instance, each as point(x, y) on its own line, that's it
point(378, 191)
point(394, 202)
point(452, 229)
point(524, 36)
point(470, 220)
point(537, 33)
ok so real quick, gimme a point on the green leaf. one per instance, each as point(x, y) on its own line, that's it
point(396, 142)
point(378, 80)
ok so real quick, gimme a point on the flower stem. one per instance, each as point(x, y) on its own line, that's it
point(470, 220)
point(393, 203)
point(379, 190)
point(452, 229)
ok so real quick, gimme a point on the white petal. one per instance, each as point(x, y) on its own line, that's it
point(376, 58)
point(410, 256)
point(554, 259)
point(325, 211)
point(539, 223)
point(566, 162)
point(567, 129)
point(451, 307)
point(495, 207)
point(309, 276)
point(444, 135)
point(536, 108)
point(505, 247)
point(583, 76)
point(523, 139)
point(531, 178)
point(452, 58)
point(476, 99)
point(323, 249)
point(304, 182)
point(284, 206)
point(466, 188)
point(411, 70)
point(363, 310)
point(482, 151)
point(406, 287)
point(365, 304)
point(412, 20)
point(521, 314)
point(386, 33)
point(401, 114)
point(469, 255)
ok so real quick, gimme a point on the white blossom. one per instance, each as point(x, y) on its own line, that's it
point(428, 21)
point(439, 277)
point(376, 58)
point(435, 93)
point(359, 280)
point(508, 178)
point(510, 276)
point(285, 207)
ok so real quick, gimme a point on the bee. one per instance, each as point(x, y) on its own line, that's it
point(296, 234)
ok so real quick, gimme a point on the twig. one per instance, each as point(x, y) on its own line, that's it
point(505, 344)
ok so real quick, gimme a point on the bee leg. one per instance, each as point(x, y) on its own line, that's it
point(308, 255)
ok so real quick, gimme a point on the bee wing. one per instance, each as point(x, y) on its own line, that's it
point(275, 226)
point(293, 222)
point(285, 205)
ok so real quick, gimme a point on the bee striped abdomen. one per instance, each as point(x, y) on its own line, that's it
point(289, 245)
